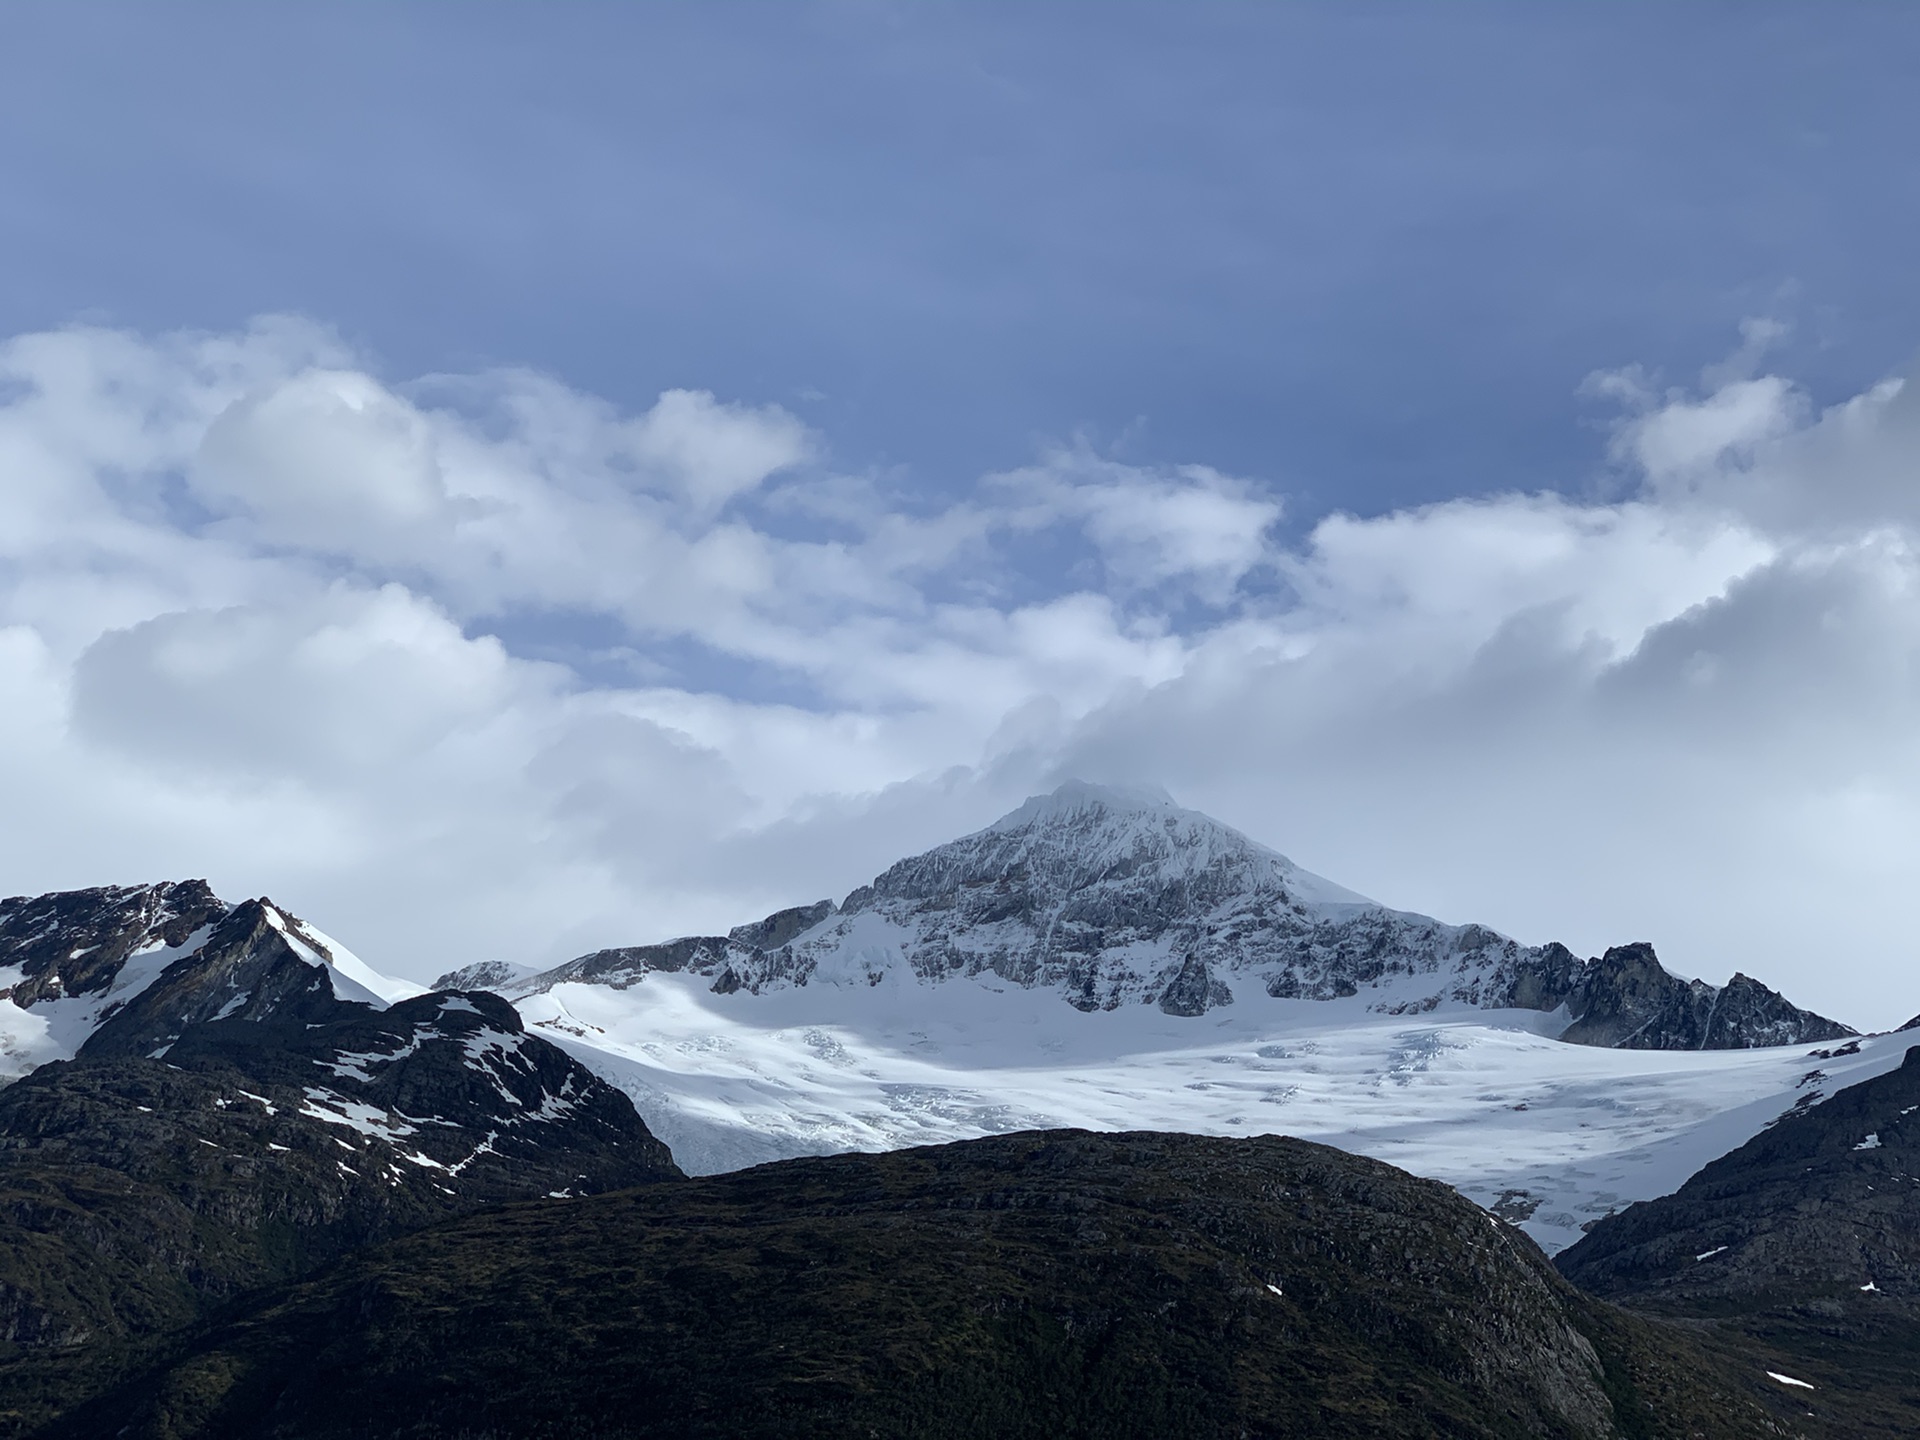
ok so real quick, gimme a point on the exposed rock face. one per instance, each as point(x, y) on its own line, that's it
point(629, 964)
point(1194, 991)
point(1627, 999)
point(483, 975)
point(248, 969)
point(452, 1079)
point(781, 926)
point(76, 942)
point(1129, 1287)
point(1113, 898)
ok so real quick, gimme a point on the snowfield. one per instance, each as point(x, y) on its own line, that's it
point(1547, 1134)
point(54, 1029)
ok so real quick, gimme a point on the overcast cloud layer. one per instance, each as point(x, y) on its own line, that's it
point(271, 619)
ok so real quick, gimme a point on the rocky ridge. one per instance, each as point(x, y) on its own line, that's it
point(1112, 898)
point(1804, 1242)
point(237, 1109)
point(1824, 1202)
point(77, 942)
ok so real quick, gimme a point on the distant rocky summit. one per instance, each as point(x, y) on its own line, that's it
point(1627, 999)
point(485, 975)
point(1112, 897)
point(77, 942)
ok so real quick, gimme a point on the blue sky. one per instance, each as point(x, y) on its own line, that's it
point(512, 479)
point(1363, 254)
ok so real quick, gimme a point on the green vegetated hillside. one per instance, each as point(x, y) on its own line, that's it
point(1801, 1249)
point(137, 1197)
point(1050, 1284)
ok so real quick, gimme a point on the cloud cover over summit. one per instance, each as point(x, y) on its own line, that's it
point(483, 666)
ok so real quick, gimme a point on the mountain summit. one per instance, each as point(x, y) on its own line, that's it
point(1112, 897)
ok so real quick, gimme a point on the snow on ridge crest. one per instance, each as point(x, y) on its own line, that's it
point(1083, 838)
point(1105, 896)
point(1109, 897)
point(1101, 821)
point(1077, 796)
point(350, 976)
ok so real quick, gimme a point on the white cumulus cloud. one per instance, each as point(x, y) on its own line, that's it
point(480, 666)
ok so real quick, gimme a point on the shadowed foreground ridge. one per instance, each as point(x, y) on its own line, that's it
point(1802, 1247)
point(232, 1122)
point(1051, 1283)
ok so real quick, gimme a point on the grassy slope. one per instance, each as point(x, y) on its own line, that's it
point(137, 1197)
point(1055, 1284)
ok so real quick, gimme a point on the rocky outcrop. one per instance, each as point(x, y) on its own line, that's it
point(1194, 991)
point(248, 969)
point(781, 926)
point(1626, 998)
point(484, 975)
point(629, 964)
point(77, 942)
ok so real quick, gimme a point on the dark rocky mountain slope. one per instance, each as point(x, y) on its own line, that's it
point(231, 1121)
point(1056, 1284)
point(1805, 1241)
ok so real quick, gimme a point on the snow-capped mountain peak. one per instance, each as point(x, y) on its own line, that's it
point(1098, 957)
point(1086, 835)
point(129, 966)
point(1105, 958)
point(1073, 797)
point(249, 1003)
point(1109, 896)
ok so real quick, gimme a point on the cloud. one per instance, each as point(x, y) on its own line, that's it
point(345, 685)
point(264, 615)
point(327, 461)
point(1188, 525)
point(1680, 439)
point(712, 452)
